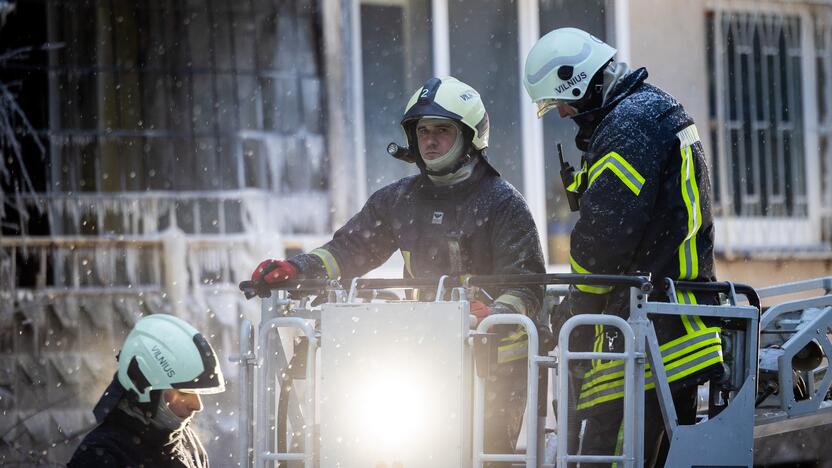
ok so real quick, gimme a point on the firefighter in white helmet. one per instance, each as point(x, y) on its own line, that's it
point(164, 366)
point(643, 193)
point(457, 217)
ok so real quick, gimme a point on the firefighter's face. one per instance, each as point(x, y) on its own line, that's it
point(183, 404)
point(436, 137)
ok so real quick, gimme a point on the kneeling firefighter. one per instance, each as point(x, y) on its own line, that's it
point(144, 414)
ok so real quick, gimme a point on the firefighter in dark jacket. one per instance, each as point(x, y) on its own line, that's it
point(457, 217)
point(144, 414)
point(643, 190)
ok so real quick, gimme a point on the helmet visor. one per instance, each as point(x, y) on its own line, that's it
point(210, 380)
point(545, 105)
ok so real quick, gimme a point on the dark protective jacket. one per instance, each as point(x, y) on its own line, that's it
point(121, 440)
point(645, 207)
point(480, 226)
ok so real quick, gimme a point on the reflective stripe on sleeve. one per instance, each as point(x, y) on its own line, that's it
point(513, 352)
point(515, 302)
point(578, 180)
point(621, 168)
point(333, 271)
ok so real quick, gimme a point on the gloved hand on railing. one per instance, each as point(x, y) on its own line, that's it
point(479, 310)
point(274, 272)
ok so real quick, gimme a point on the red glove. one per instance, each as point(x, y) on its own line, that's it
point(480, 310)
point(274, 271)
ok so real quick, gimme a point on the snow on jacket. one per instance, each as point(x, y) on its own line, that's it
point(480, 226)
point(645, 208)
point(124, 441)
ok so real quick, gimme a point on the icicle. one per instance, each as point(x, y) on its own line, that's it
point(131, 261)
point(23, 213)
point(276, 149)
point(175, 253)
point(104, 265)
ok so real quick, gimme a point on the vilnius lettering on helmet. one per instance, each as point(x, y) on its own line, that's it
point(470, 94)
point(572, 82)
point(157, 353)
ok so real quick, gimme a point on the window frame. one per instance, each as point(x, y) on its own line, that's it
point(746, 234)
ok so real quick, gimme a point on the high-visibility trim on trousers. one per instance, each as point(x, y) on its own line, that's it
point(681, 357)
point(676, 370)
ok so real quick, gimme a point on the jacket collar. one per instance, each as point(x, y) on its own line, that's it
point(149, 433)
point(425, 188)
point(589, 120)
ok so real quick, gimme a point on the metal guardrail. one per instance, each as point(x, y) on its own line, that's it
point(632, 368)
point(641, 345)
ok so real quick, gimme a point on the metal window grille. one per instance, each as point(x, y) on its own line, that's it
point(823, 45)
point(757, 114)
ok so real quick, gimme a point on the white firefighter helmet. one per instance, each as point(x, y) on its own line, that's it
point(560, 66)
point(162, 352)
point(449, 98)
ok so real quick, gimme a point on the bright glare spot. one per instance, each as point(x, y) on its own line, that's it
point(393, 410)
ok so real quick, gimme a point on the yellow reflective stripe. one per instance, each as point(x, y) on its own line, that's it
point(691, 348)
point(577, 179)
point(688, 255)
point(685, 298)
point(333, 271)
point(512, 352)
point(619, 443)
point(407, 268)
point(596, 401)
point(618, 376)
point(598, 344)
point(671, 350)
point(685, 338)
point(519, 334)
point(583, 287)
point(607, 393)
point(671, 376)
point(692, 323)
point(605, 378)
point(515, 302)
point(620, 167)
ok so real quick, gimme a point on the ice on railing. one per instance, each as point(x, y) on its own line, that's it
point(145, 213)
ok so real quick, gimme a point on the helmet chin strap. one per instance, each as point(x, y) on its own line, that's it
point(461, 161)
point(458, 155)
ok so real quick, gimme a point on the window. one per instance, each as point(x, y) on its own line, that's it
point(396, 59)
point(762, 171)
point(591, 16)
point(823, 45)
point(761, 75)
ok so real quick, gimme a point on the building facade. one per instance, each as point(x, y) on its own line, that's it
point(154, 152)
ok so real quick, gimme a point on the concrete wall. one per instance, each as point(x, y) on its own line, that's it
point(668, 37)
